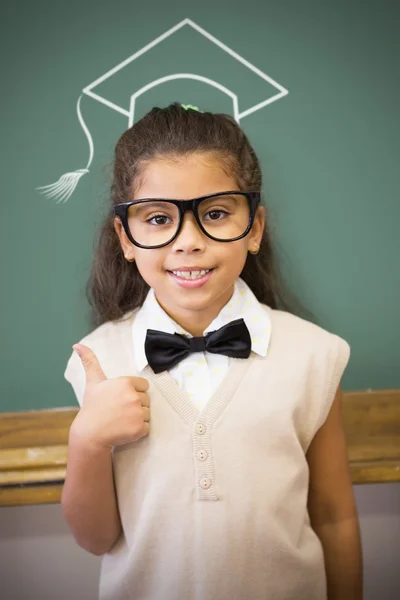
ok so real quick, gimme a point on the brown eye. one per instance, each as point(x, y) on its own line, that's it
point(216, 215)
point(159, 220)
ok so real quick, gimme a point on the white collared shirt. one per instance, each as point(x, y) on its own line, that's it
point(200, 373)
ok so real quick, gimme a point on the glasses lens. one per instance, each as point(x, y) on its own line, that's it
point(225, 217)
point(153, 223)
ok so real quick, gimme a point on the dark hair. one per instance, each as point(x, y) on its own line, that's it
point(115, 286)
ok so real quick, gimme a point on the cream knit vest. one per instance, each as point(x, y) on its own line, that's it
point(213, 505)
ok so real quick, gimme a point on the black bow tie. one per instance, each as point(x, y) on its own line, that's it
point(165, 350)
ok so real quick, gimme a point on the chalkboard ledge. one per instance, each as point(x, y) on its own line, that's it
point(33, 446)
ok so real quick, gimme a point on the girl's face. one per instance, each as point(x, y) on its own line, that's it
point(183, 178)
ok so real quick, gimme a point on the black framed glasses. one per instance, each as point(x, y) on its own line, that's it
point(155, 222)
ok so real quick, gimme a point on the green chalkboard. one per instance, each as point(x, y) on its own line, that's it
point(316, 87)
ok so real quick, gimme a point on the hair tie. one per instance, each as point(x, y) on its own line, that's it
point(191, 107)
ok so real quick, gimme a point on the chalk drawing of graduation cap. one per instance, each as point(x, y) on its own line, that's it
point(149, 78)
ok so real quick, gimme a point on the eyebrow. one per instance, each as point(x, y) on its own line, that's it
point(156, 203)
point(222, 195)
point(159, 202)
point(220, 198)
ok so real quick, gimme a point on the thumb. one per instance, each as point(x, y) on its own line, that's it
point(90, 362)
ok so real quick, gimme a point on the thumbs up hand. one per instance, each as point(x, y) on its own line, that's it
point(114, 411)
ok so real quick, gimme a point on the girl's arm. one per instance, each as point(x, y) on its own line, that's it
point(88, 499)
point(332, 507)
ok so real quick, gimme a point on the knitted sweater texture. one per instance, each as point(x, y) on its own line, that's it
point(213, 504)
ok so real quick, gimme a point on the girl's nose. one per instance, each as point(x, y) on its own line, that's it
point(190, 237)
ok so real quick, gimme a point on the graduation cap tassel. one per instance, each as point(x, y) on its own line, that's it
point(65, 186)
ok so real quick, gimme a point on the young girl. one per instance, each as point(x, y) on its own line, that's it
point(208, 460)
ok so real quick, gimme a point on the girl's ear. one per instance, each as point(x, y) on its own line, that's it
point(257, 230)
point(126, 245)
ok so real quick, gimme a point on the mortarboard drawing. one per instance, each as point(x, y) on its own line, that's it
point(65, 186)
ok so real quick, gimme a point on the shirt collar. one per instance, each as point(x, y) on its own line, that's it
point(243, 304)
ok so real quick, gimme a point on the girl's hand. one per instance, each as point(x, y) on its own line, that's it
point(114, 411)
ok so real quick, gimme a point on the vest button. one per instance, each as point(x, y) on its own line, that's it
point(200, 428)
point(202, 455)
point(205, 483)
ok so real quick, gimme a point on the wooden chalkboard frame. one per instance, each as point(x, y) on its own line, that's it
point(34, 446)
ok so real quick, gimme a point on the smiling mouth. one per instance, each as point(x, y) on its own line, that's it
point(195, 274)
